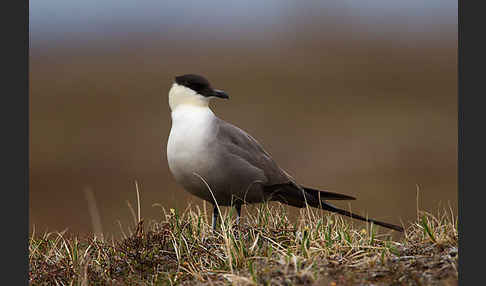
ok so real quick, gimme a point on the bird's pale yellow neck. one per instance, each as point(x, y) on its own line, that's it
point(180, 95)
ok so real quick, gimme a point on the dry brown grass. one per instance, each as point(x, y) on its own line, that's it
point(267, 248)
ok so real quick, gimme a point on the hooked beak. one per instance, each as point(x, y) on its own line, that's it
point(219, 93)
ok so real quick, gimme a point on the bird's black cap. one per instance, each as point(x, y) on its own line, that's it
point(200, 85)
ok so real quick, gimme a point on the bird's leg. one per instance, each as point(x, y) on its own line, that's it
point(238, 213)
point(215, 217)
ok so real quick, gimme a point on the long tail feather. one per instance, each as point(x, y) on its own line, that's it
point(297, 196)
point(331, 208)
point(325, 195)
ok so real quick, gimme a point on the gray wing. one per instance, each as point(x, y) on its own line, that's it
point(241, 144)
point(254, 161)
point(276, 184)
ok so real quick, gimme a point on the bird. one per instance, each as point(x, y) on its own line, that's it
point(222, 164)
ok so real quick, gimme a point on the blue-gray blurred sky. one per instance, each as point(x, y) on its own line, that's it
point(54, 21)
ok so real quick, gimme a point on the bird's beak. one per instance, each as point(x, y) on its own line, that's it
point(220, 94)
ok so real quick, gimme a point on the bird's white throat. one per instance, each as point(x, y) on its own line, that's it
point(180, 95)
point(188, 108)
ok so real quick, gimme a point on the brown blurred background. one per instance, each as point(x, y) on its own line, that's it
point(353, 97)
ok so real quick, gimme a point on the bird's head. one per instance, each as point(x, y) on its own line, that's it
point(191, 89)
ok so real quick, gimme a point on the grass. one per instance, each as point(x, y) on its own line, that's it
point(266, 248)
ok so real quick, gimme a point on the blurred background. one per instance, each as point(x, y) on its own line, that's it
point(350, 96)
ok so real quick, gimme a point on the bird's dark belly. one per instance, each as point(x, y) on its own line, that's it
point(214, 175)
point(220, 185)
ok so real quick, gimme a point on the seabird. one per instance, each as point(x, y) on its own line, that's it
point(222, 164)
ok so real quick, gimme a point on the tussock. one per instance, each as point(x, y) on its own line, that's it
point(266, 248)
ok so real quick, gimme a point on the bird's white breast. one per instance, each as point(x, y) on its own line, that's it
point(188, 139)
